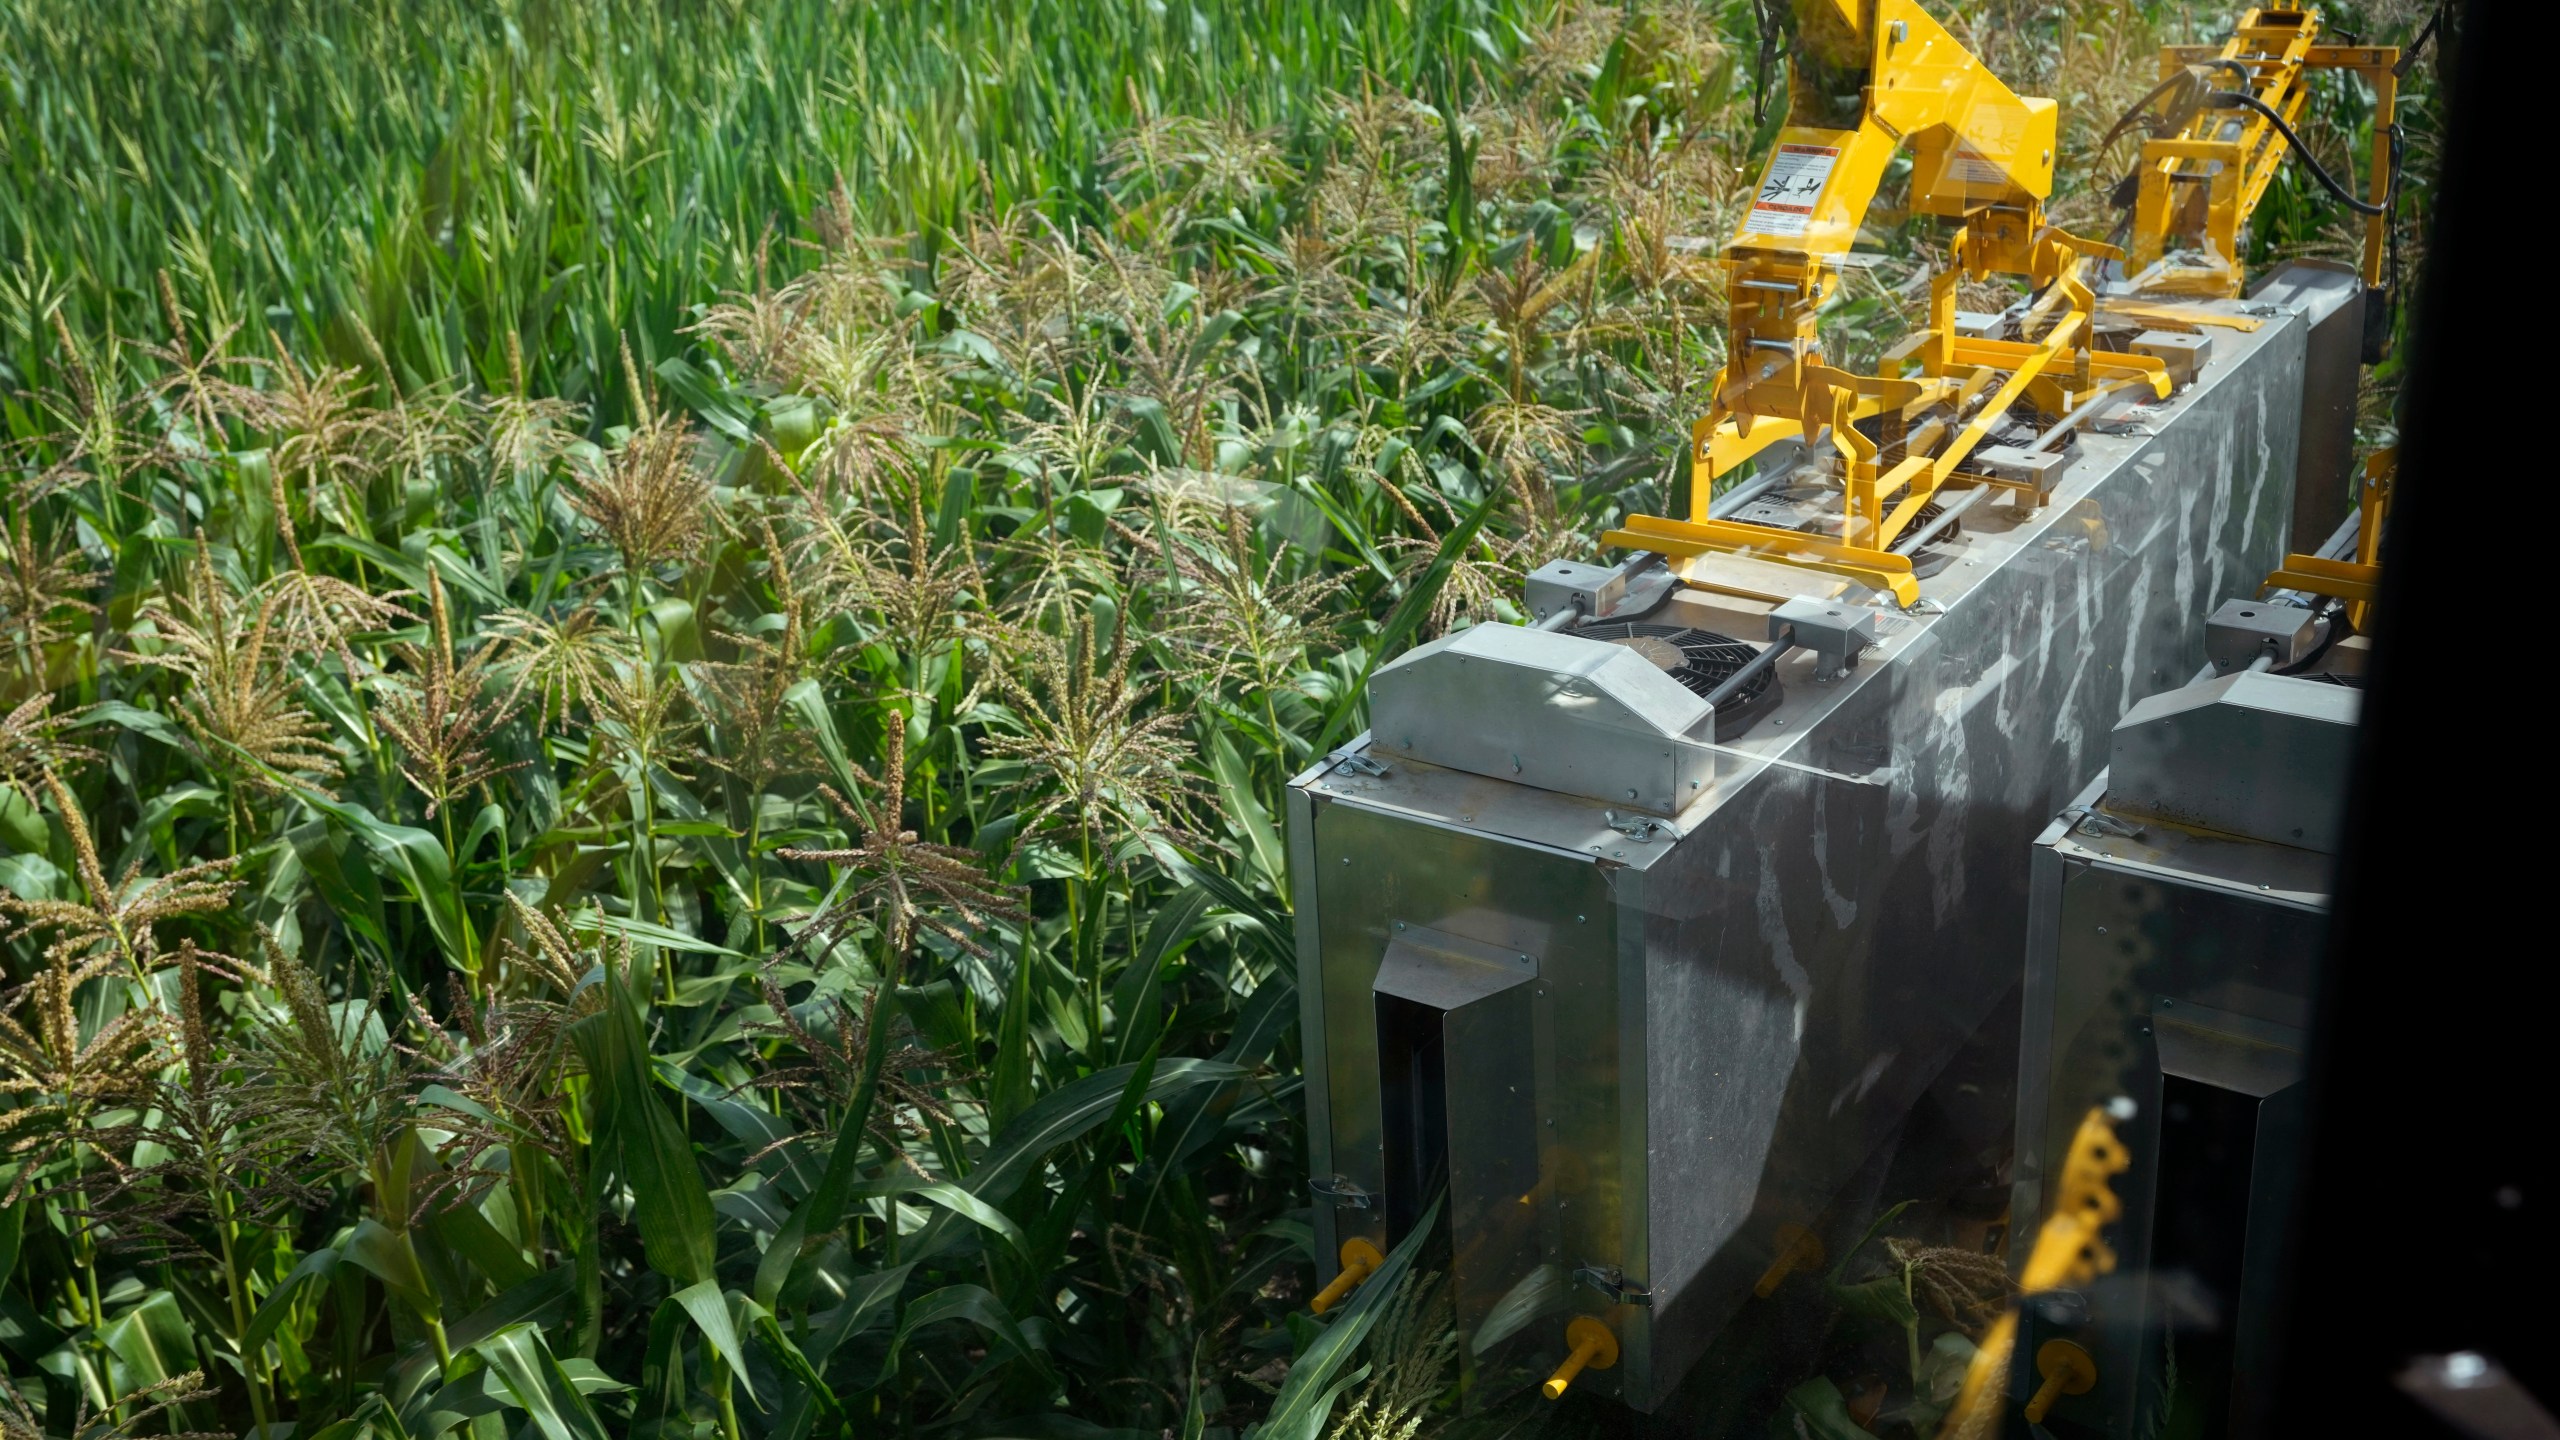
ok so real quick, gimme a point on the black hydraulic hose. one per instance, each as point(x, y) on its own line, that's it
point(2417, 47)
point(2137, 112)
point(2234, 100)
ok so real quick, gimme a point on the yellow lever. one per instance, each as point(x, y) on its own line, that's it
point(2067, 1370)
point(1797, 1246)
point(1594, 1347)
point(1360, 1260)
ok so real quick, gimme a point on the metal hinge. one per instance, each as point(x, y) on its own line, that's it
point(1361, 765)
point(1341, 1192)
point(1639, 828)
point(1611, 1281)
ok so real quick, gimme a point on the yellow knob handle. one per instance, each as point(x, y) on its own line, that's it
point(2067, 1370)
point(1360, 1260)
point(1594, 1348)
point(1797, 1246)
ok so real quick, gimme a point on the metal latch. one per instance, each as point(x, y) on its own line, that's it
point(1341, 1192)
point(1611, 1281)
point(1639, 828)
point(2098, 822)
point(1362, 765)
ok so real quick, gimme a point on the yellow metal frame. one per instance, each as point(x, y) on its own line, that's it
point(1984, 154)
point(2197, 189)
point(2355, 581)
point(1980, 152)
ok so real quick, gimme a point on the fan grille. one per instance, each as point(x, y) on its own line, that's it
point(1830, 524)
point(1700, 660)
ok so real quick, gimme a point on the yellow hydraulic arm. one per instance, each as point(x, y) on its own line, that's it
point(2233, 107)
point(1981, 154)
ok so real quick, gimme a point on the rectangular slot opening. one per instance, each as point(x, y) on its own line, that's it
point(1413, 1101)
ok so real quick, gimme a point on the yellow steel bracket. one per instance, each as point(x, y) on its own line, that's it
point(2373, 503)
point(1981, 154)
point(2196, 189)
point(1682, 539)
point(2380, 67)
point(2185, 316)
point(1981, 379)
point(2373, 509)
point(2356, 581)
point(2057, 259)
point(2337, 579)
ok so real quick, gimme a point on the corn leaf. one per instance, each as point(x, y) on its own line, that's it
point(671, 1204)
point(1315, 1381)
point(709, 1309)
point(523, 1362)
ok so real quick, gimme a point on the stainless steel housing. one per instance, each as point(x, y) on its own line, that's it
point(2175, 927)
point(1710, 1015)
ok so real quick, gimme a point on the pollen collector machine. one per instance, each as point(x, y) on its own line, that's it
point(2179, 904)
point(1640, 930)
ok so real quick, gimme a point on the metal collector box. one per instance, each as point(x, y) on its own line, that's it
point(1637, 1034)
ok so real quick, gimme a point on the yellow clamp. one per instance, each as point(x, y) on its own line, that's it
point(1797, 1247)
point(2067, 1370)
point(1594, 1348)
point(1360, 1260)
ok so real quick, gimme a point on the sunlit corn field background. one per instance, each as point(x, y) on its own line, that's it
point(648, 651)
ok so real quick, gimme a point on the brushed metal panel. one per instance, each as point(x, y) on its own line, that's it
point(1370, 870)
point(2171, 954)
point(2262, 757)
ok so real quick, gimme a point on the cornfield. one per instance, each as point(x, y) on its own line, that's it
point(648, 651)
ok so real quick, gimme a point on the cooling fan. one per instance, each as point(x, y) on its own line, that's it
point(1926, 559)
point(1700, 660)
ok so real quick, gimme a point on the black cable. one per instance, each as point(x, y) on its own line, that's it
point(2137, 112)
point(2233, 100)
point(2409, 57)
point(2182, 85)
point(1765, 13)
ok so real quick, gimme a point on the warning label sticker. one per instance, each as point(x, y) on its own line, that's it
point(1788, 191)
